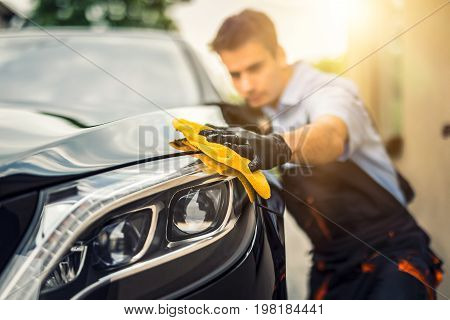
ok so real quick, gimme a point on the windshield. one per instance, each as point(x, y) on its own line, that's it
point(124, 71)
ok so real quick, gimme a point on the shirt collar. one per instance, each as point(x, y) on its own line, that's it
point(293, 91)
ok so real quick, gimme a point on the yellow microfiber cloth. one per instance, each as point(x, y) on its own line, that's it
point(221, 159)
point(213, 166)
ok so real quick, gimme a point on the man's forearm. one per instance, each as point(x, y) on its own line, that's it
point(317, 143)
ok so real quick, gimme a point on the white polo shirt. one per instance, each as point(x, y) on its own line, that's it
point(311, 94)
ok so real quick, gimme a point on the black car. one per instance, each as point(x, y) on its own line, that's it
point(94, 203)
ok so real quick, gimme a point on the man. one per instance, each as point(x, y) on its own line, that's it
point(352, 204)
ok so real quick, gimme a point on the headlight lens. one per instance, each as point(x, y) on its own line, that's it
point(116, 219)
point(67, 269)
point(120, 241)
point(197, 210)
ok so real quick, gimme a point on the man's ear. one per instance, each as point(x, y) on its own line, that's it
point(280, 56)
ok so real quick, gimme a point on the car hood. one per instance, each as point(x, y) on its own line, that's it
point(39, 149)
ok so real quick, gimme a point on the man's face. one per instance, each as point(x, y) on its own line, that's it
point(256, 73)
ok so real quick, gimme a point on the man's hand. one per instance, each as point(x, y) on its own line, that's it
point(263, 151)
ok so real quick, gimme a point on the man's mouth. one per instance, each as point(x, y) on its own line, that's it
point(254, 98)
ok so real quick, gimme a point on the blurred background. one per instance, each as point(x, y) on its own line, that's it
point(405, 84)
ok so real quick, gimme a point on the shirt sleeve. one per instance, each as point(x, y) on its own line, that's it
point(344, 103)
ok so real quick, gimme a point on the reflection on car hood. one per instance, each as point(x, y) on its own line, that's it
point(37, 148)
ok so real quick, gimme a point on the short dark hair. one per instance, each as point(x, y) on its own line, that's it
point(245, 26)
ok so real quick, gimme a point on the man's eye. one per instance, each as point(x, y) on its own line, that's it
point(235, 75)
point(255, 67)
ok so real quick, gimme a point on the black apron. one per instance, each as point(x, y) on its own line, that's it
point(348, 218)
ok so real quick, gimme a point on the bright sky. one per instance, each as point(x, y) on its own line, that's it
point(23, 6)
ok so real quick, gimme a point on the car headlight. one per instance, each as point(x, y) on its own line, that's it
point(118, 219)
point(67, 269)
point(197, 210)
point(120, 241)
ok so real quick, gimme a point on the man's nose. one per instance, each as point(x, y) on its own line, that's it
point(246, 84)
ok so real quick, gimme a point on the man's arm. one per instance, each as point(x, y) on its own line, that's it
point(320, 142)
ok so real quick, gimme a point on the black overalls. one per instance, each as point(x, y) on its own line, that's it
point(366, 245)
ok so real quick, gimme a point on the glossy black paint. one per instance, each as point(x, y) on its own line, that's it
point(41, 158)
point(253, 272)
point(261, 274)
point(91, 151)
point(15, 217)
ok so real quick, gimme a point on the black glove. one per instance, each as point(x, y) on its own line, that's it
point(245, 117)
point(263, 151)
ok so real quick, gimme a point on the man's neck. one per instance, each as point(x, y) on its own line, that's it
point(285, 77)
